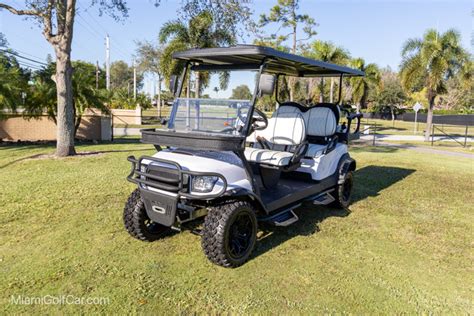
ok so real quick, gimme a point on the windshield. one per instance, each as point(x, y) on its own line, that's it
point(209, 115)
point(218, 103)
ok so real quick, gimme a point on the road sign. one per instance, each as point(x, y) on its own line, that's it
point(416, 108)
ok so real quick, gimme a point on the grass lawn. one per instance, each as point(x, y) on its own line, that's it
point(405, 246)
point(407, 128)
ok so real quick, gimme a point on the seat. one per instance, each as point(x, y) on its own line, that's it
point(270, 157)
point(277, 143)
point(321, 123)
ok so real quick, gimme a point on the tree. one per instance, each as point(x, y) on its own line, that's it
point(3, 40)
point(121, 99)
point(328, 52)
point(241, 92)
point(391, 92)
point(149, 56)
point(430, 61)
point(361, 86)
point(200, 32)
point(13, 79)
point(286, 16)
point(121, 76)
point(56, 18)
point(229, 16)
point(43, 92)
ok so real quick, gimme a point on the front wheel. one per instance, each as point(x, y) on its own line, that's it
point(343, 192)
point(137, 222)
point(230, 233)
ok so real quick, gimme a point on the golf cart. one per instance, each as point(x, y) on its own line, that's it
point(225, 161)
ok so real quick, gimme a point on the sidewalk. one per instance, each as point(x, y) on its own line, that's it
point(428, 150)
point(420, 138)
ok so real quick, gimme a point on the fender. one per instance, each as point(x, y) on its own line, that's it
point(346, 164)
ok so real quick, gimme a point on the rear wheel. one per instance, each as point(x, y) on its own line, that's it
point(343, 192)
point(230, 233)
point(137, 222)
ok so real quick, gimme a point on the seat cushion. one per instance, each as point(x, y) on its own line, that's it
point(320, 121)
point(315, 150)
point(270, 157)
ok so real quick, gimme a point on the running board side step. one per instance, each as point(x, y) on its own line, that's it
point(283, 218)
point(324, 198)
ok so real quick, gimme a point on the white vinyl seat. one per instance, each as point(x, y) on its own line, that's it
point(284, 131)
point(270, 157)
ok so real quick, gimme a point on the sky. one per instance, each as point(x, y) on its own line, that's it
point(373, 30)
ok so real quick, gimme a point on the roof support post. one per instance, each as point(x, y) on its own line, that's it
point(340, 90)
point(254, 98)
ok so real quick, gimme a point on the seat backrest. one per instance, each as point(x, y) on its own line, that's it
point(286, 128)
point(320, 121)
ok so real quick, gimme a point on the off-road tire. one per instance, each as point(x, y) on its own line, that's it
point(136, 219)
point(343, 191)
point(217, 229)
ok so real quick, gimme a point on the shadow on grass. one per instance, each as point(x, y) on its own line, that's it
point(369, 182)
point(20, 159)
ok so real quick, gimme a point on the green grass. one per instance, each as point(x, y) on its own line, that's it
point(405, 246)
point(407, 128)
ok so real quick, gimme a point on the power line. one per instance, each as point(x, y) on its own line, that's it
point(95, 33)
point(27, 54)
point(34, 67)
point(20, 56)
point(96, 22)
point(121, 50)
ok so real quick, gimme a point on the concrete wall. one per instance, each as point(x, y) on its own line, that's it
point(94, 126)
point(127, 117)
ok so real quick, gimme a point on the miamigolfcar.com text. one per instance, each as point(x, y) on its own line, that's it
point(58, 300)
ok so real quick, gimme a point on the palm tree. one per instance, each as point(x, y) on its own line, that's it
point(362, 85)
point(428, 62)
point(328, 52)
point(200, 32)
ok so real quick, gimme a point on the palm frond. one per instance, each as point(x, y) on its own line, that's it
point(175, 29)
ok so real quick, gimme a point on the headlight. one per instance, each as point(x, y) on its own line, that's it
point(203, 184)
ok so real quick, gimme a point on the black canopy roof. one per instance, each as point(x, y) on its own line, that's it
point(251, 56)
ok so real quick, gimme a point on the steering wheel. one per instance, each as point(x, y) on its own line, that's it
point(258, 116)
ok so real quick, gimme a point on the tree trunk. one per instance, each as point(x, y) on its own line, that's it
point(292, 80)
point(198, 85)
point(429, 119)
point(77, 124)
point(188, 88)
point(158, 103)
point(65, 118)
point(331, 96)
point(321, 91)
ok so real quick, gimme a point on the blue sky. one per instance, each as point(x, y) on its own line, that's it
point(374, 30)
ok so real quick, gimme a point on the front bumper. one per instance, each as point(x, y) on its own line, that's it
point(164, 184)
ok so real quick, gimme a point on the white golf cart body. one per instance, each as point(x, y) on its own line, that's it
point(300, 155)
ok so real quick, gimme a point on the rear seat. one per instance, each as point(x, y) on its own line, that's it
point(321, 125)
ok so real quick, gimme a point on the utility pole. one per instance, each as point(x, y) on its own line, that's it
point(97, 71)
point(134, 81)
point(107, 62)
